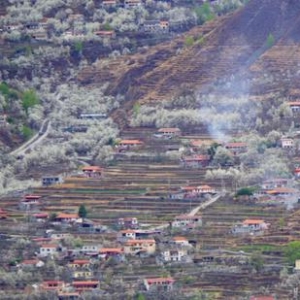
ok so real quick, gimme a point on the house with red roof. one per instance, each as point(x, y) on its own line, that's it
point(250, 226)
point(195, 161)
point(127, 234)
point(275, 183)
point(198, 190)
point(282, 191)
point(30, 202)
point(87, 285)
point(48, 250)
point(79, 263)
point(295, 106)
point(92, 171)
point(180, 241)
point(159, 284)
point(129, 145)
point(31, 263)
point(197, 144)
point(40, 217)
point(66, 218)
point(236, 147)
point(106, 253)
point(111, 251)
point(52, 285)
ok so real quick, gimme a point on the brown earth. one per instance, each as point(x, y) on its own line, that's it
point(234, 46)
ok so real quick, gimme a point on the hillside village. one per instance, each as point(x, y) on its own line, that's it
point(142, 158)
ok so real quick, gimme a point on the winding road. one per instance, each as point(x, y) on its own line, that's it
point(194, 211)
point(37, 138)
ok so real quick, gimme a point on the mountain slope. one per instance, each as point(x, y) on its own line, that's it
point(236, 44)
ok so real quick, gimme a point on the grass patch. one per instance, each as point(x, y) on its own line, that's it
point(261, 248)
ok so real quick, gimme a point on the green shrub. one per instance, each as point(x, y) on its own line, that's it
point(246, 191)
point(78, 46)
point(270, 40)
point(27, 132)
point(29, 99)
point(189, 41)
point(292, 252)
point(204, 13)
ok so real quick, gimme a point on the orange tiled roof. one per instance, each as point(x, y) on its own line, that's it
point(29, 261)
point(179, 238)
point(294, 103)
point(159, 280)
point(281, 190)
point(255, 222)
point(80, 262)
point(188, 188)
point(115, 250)
point(91, 168)
point(131, 142)
point(41, 215)
point(66, 216)
point(49, 246)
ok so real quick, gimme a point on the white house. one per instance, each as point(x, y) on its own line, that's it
point(127, 234)
point(92, 248)
point(181, 241)
point(48, 250)
point(163, 284)
point(59, 235)
point(187, 221)
point(167, 132)
point(173, 255)
point(287, 143)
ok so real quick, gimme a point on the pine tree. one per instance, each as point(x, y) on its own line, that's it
point(82, 212)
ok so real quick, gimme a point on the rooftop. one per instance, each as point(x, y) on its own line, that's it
point(254, 222)
point(160, 280)
point(131, 142)
point(169, 130)
point(111, 250)
point(91, 168)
